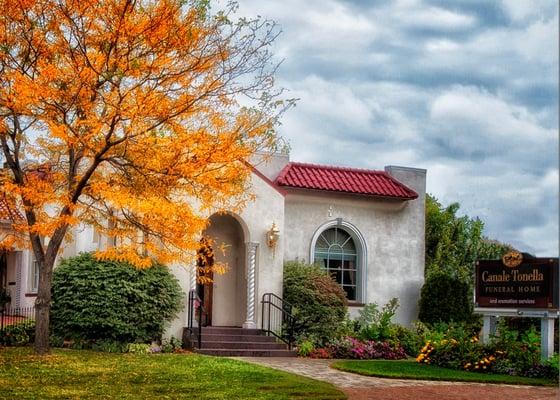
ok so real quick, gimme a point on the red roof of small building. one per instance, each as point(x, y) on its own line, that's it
point(7, 212)
point(343, 180)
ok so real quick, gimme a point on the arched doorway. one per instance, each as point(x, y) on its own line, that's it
point(228, 298)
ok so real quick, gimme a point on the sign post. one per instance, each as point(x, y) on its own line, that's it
point(518, 287)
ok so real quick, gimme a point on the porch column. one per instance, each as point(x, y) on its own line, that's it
point(192, 285)
point(547, 337)
point(250, 322)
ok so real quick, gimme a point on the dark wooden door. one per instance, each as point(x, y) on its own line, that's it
point(205, 292)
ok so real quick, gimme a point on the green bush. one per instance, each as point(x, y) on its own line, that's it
point(319, 303)
point(97, 300)
point(409, 339)
point(18, 334)
point(305, 347)
point(171, 345)
point(456, 346)
point(445, 298)
point(139, 348)
point(521, 349)
point(375, 324)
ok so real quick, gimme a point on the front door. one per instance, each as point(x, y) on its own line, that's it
point(205, 278)
point(205, 291)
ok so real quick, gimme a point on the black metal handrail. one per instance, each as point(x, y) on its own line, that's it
point(277, 318)
point(196, 309)
point(15, 316)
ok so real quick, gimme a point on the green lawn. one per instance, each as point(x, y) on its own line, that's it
point(410, 369)
point(80, 374)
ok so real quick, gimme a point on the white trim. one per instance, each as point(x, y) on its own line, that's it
point(251, 249)
point(361, 250)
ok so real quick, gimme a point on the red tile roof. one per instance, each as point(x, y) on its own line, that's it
point(343, 180)
point(8, 212)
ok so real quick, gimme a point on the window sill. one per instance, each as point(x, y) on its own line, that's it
point(30, 294)
point(355, 304)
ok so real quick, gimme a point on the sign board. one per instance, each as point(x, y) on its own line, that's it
point(515, 282)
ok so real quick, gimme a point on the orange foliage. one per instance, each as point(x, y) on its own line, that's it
point(138, 115)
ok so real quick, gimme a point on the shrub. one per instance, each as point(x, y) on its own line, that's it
point(96, 300)
point(445, 298)
point(375, 324)
point(18, 334)
point(319, 303)
point(139, 348)
point(352, 348)
point(409, 339)
point(455, 346)
point(106, 346)
point(522, 350)
point(305, 347)
point(171, 345)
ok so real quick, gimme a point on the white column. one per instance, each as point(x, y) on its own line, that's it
point(251, 261)
point(192, 285)
point(547, 337)
point(488, 328)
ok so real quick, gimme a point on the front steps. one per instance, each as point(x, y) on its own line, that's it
point(229, 341)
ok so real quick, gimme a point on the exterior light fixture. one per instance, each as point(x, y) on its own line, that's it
point(272, 236)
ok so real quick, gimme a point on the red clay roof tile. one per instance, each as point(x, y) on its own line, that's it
point(8, 212)
point(344, 180)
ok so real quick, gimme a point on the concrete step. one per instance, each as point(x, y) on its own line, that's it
point(237, 338)
point(226, 330)
point(246, 353)
point(243, 345)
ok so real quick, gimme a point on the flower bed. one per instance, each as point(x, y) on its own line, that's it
point(356, 349)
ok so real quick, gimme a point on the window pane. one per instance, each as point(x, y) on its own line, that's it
point(335, 250)
point(335, 264)
point(34, 276)
point(350, 292)
point(349, 277)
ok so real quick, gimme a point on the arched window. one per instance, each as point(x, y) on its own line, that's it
point(335, 250)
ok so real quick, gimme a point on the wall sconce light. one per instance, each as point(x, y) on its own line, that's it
point(272, 236)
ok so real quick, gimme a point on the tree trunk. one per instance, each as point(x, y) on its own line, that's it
point(43, 307)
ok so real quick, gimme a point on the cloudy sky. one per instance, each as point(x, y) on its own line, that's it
point(467, 89)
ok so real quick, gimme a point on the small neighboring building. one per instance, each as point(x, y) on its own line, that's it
point(367, 228)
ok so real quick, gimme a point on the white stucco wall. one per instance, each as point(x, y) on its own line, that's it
point(267, 208)
point(393, 231)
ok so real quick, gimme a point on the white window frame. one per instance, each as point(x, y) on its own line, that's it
point(34, 276)
point(361, 251)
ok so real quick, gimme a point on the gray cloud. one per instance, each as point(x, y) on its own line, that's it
point(467, 89)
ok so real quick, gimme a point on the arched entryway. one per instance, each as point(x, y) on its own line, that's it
point(229, 291)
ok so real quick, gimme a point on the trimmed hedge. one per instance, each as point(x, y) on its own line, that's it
point(445, 298)
point(320, 304)
point(110, 300)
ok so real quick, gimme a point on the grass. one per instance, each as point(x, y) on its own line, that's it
point(80, 374)
point(409, 369)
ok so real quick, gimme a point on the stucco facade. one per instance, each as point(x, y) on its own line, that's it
point(387, 236)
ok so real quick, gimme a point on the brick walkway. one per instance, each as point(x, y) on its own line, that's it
point(359, 387)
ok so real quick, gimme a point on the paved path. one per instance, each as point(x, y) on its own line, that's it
point(359, 387)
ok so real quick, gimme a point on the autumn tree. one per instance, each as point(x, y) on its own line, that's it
point(134, 117)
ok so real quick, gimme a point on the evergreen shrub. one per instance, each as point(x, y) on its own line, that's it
point(319, 303)
point(445, 298)
point(103, 300)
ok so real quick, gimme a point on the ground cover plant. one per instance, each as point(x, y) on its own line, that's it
point(371, 336)
point(102, 301)
point(81, 374)
point(408, 369)
point(456, 346)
